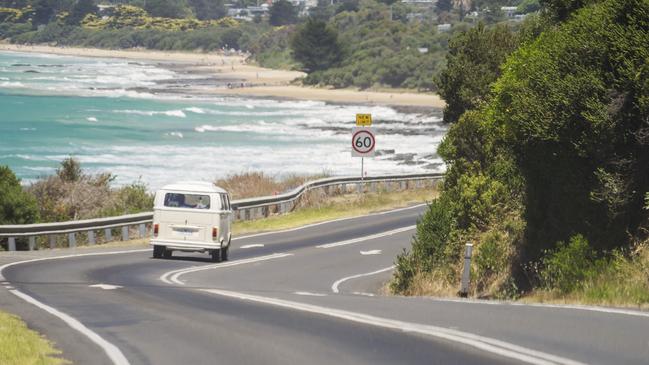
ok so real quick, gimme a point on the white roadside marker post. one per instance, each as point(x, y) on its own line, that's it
point(466, 274)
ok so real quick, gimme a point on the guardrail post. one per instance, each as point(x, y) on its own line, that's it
point(326, 189)
point(52, 239)
point(418, 184)
point(343, 189)
point(91, 237)
point(72, 240)
point(11, 245)
point(404, 185)
point(124, 233)
point(466, 274)
point(32, 243)
point(373, 187)
point(142, 230)
point(108, 234)
point(360, 188)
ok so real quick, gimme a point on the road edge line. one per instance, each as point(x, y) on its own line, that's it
point(486, 344)
point(367, 238)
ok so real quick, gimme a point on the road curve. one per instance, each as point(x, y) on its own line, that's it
point(305, 296)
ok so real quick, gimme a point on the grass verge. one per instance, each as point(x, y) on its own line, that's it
point(621, 281)
point(20, 345)
point(345, 206)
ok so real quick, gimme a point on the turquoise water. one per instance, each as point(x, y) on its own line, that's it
point(105, 113)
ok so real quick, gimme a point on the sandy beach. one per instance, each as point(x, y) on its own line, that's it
point(256, 81)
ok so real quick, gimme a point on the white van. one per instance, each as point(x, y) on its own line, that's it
point(192, 216)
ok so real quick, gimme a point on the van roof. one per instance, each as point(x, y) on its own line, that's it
point(195, 186)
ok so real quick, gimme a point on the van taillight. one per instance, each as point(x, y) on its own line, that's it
point(155, 230)
point(215, 233)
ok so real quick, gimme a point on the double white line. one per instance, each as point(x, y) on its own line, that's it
point(173, 277)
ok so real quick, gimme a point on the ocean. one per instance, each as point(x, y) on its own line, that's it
point(127, 118)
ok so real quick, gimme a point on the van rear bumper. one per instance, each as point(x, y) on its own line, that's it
point(186, 245)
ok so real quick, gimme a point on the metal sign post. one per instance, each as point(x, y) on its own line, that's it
point(363, 142)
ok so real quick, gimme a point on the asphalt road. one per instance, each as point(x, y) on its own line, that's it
point(306, 296)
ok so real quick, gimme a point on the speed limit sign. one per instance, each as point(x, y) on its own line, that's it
point(363, 142)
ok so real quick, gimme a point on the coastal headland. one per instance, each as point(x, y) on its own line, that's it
point(232, 74)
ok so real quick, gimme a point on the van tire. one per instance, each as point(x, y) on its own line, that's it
point(216, 255)
point(225, 253)
point(158, 251)
point(167, 253)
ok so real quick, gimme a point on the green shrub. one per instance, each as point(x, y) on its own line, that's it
point(567, 267)
point(16, 205)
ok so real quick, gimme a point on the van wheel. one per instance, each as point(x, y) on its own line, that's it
point(216, 255)
point(225, 253)
point(158, 251)
point(167, 253)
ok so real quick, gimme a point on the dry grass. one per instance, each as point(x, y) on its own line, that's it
point(20, 345)
point(315, 209)
point(256, 184)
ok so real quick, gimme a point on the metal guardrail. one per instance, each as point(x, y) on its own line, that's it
point(245, 209)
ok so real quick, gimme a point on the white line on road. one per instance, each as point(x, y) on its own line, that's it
point(371, 252)
point(113, 352)
point(105, 286)
point(309, 294)
point(253, 245)
point(334, 287)
point(367, 238)
point(487, 344)
point(173, 277)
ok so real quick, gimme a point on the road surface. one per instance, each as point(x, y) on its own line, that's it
point(305, 296)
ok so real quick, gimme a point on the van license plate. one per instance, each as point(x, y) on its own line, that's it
point(184, 232)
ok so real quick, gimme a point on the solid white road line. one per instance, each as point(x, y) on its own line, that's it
point(327, 222)
point(621, 311)
point(113, 352)
point(367, 238)
point(371, 252)
point(105, 286)
point(309, 294)
point(253, 245)
point(173, 277)
point(334, 286)
point(487, 344)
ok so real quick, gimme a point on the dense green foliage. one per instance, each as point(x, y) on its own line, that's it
point(282, 12)
point(473, 60)
point(316, 46)
point(80, 10)
point(559, 149)
point(383, 52)
point(16, 206)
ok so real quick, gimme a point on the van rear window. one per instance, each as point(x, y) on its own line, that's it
point(192, 201)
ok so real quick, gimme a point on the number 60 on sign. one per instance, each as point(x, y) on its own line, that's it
point(363, 142)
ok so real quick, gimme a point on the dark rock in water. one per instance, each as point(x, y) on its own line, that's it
point(51, 65)
point(21, 65)
point(433, 166)
point(31, 72)
point(411, 163)
point(403, 157)
point(384, 152)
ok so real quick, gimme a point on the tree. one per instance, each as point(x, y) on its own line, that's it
point(443, 6)
point(316, 46)
point(80, 9)
point(16, 206)
point(473, 64)
point(282, 12)
point(208, 9)
point(43, 12)
point(167, 8)
point(560, 10)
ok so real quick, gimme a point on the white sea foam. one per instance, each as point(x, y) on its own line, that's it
point(27, 129)
point(196, 110)
point(175, 134)
point(170, 113)
point(91, 119)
